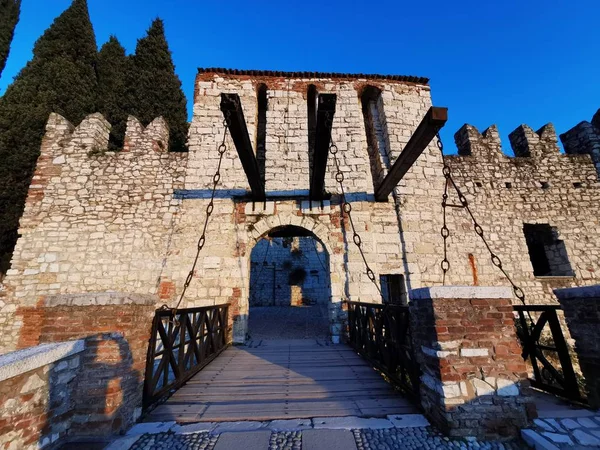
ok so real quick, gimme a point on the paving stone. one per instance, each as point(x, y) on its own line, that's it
point(585, 438)
point(555, 424)
point(327, 440)
point(150, 428)
point(570, 424)
point(193, 428)
point(543, 424)
point(537, 441)
point(409, 420)
point(289, 425)
point(247, 440)
point(587, 422)
point(350, 423)
point(558, 437)
point(225, 427)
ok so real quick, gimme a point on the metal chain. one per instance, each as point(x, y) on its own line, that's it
point(222, 149)
point(347, 208)
point(478, 229)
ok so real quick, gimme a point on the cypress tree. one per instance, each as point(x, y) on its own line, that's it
point(156, 88)
point(60, 78)
point(9, 16)
point(113, 89)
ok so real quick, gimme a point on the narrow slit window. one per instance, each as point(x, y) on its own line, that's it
point(547, 252)
point(312, 96)
point(393, 289)
point(376, 133)
point(261, 129)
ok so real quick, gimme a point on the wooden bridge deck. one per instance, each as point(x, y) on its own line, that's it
point(285, 379)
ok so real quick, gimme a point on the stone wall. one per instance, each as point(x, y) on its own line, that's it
point(289, 272)
point(582, 313)
point(129, 221)
point(116, 329)
point(540, 185)
point(37, 395)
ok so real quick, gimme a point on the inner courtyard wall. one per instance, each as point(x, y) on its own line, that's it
point(129, 221)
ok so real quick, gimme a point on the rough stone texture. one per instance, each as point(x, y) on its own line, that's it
point(116, 329)
point(565, 433)
point(289, 271)
point(98, 221)
point(581, 307)
point(37, 406)
point(471, 363)
point(507, 192)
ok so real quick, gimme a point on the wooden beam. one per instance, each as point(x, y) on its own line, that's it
point(433, 121)
point(232, 110)
point(325, 113)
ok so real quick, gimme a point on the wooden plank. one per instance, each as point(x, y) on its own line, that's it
point(433, 121)
point(325, 113)
point(234, 114)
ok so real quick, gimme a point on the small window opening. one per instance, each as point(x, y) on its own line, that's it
point(376, 132)
point(547, 252)
point(544, 184)
point(478, 184)
point(261, 130)
point(508, 185)
point(393, 289)
point(577, 185)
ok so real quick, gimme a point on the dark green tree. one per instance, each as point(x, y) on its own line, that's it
point(156, 88)
point(113, 69)
point(60, 78)
point(9, 16)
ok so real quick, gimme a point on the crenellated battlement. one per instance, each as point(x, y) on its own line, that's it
point(528, 143)
point(470, 141)
point(92, 134)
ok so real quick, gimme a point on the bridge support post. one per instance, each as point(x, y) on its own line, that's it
point(472, 370)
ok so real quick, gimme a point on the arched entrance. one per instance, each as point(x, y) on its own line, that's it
point(290, 288)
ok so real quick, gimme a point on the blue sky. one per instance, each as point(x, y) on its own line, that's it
point(505, 62)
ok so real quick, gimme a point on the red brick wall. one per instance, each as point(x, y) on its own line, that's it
point(109, 387)
point(471, 362)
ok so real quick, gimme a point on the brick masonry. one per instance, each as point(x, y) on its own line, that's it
point(36, 406)
point(582, 313)
point(471, 363)
point(116, 329)
point(98, 221)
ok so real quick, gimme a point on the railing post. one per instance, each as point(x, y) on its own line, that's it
point(466, 345)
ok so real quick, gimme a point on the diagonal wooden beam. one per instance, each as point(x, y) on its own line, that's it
point(325, 113)
point(232, 110)
point(433, 121)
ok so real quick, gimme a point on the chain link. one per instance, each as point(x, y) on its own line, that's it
point(222, 149)
point(347, 209)
point(477, 228)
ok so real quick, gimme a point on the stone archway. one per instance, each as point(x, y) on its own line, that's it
point(290, 288)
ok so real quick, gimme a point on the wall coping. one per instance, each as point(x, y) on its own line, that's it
point(578, 292)
point(439, 292)
point(100, 299)
point(22, 361)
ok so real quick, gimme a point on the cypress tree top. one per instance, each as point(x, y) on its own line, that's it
point(9, 16)
point(157, 89)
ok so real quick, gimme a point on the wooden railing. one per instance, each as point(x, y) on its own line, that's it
point(381, 334)
point(544, 344)
point(179, 348)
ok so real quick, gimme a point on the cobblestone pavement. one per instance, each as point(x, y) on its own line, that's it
point(366, 439)
point(576, 432)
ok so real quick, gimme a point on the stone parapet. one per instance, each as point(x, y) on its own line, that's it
point(582, 314)
point(472, 370)
point(37, 398)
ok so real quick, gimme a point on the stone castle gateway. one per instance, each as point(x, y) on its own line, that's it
point(108, 232)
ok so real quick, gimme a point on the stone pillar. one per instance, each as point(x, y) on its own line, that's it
point(582, 313)
point(466, 344)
